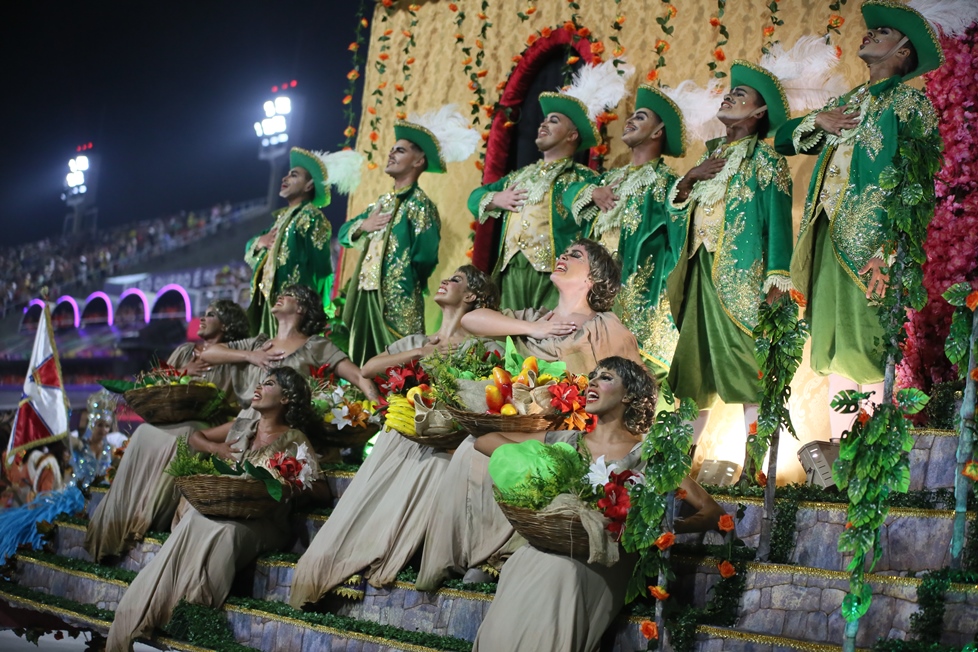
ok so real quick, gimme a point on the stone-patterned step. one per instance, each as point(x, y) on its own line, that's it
point(914, 540)
point(75, 585)
point(805, 603)
point(69, 541)
point(932, 459)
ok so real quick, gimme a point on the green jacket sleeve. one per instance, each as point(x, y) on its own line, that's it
point(480, 198)
point(799, 136)
point(346, 236)
point(424, 248)
point(253, 256)
point(774, 202)
point(309, 247)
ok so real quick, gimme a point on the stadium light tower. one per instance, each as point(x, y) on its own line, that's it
point(80, 186)
point(277, 131)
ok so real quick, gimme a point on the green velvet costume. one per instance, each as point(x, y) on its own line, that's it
point(842, 231)
point(715, 296)
point(408, 253)
point(649, 238)
point(525, 283)
point(300, 255)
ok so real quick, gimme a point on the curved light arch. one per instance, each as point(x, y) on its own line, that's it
point(74, 306)
point(34, 302)
point(182, 292)
point(98, 294)
point(141, 295)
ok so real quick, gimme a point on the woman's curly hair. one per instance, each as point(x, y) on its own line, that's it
point(233, 317)
point(312, 318)
point(481, 285)
point(640, 388)
point(299, 411)
point(605, 275)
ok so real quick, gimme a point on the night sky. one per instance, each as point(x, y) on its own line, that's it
point(167, 92)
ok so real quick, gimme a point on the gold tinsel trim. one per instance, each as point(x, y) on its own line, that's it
point(356, 636)
point(98, 490)
point(935, 432)
point(767, 639)
point(348, 593)
point(69, 571)
point(448, 593)
point(275, 563)
point(903, 512)
point(70, 526)
point(489, 569)
point(339, 474)
point(51, 609)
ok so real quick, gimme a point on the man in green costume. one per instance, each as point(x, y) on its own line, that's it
point(736, 204)
point(537, 227)
point(625, 210)
point(398, 237)
point(295, 249)
point(841, 259)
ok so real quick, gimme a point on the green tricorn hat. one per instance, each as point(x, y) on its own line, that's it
point(316, 167)
point(912, 24)
point(424, 139)
point(576, 112)
point(745, 73)
point(653, 99)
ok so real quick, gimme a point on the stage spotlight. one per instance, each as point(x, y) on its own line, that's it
point(816, 458)
point(718, 472)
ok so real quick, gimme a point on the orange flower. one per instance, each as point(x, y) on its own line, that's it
point(974, 374)
point(620, 20)
point(381, 86)
point(531, 39)
point(652, 76)
point(606, 116)
point(501, 85)
point(681, 494)
point(508, 124)
point(489, 109)
point(459, 37)
point(371, 165)
point(478, 43)
point(760, 375)
point(570, 26)
point(671, 11)
point(761, 478)
point(400, 115)
point(752, 428)
point(452, 6)
point(863, 417)
point(387, 3)
point(649, 630)
point(469, 253)
point(597, 47)
point(388, 32)
point(373, 136)
point(661, 46)
point(517, 58)
point(971, 470)
point(414, 7)
point(383, 56)
point(618, 51)
point(473, 102)
point(353, 47)
point(473, 225)
point(726, 523)
point(466, 61)
point(349, 132)
point(546, 32)
point(482, 73)
point(972, 301)
point(363, 22)
point(798, 297)
point(399, 88)
point(371, 110)
point(406, 33)
point(665, 541)
point(531, 11)
point(572, 60)
point(409, 61)
point(347, 99)
point(836, 21)
point(838, 52)
point(714, 21)
point(726, 569)
point(584, 32)
point(353, 74)
point(601, 150)
point(719, 55)
point(658, 592)
point(848, 525)
point(768, 31)
point(472, 86)
point(479, 165)
point(482, 16)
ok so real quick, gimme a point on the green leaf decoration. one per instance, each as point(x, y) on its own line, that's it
point(911, 400)
point(956, 344)
point(224, 468)
point(847, 401)
point(956, 295)
point(890, 178)
point(117, 386)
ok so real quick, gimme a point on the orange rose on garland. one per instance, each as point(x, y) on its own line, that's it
point(727, 570)
point(649, 630)
point(726, 523)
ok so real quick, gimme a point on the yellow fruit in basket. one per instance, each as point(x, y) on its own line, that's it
point(508, 410)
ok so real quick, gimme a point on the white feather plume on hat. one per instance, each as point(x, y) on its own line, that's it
point(699, 107)
point(343, 169)
point(600, 87)
point(805, 72)
point(457, 140)
point(948, 17)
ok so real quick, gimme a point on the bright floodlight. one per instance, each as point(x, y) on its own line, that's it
point(258, 130)
point(269, 107)
point(272, 126)
point(75, 178)
point(78, 164)
point(283, 105)
point(284, 138)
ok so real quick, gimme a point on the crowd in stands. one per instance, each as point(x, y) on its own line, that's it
point(70, 261)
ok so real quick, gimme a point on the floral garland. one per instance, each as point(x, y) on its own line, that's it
point(661, 45)
point(383, 55)
point(952, 239)
point(351, 87)
point(616, 26)
point(400, 101)
point(719, 56)
point(834, 22)
point(768, 30)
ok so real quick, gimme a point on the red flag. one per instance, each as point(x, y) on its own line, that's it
point(42, 416)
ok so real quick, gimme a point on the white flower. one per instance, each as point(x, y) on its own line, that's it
point(308, 472)
point(600, 473)
point(339, 417)
point(638, 478)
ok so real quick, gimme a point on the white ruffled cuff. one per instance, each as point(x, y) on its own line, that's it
point(783, 283)
point(806, 135)
point(484, 212)
point(583, 208)
point(671, 197)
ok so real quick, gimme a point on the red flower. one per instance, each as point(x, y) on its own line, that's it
point(410, 61)
point(680, 494)
point(353, 47)
point(353, 74)
point(373, 136)
point(649, 630)
point(452, 6)
point(838, 52)
point(726, 569)
point(714, 21)
point(601, 150)
point(863, 417)
point(665, 541)
point(566, 397)
point(287, 466)
point(531, 10)
point(719, 55)
point(383, 56)
point(620, 20)
point(726, 523)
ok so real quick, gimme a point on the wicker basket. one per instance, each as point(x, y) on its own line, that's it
point(443, 441)
point(163, 404)
point(558, 533)
point(225, 496)
point(348, 437)
point(481, 424)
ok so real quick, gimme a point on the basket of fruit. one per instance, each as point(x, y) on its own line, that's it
point(412, 410)
point(165, 395)
point(348, 416)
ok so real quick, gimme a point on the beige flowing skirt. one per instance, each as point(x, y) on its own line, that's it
point(379, 522)
point(142, 496)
